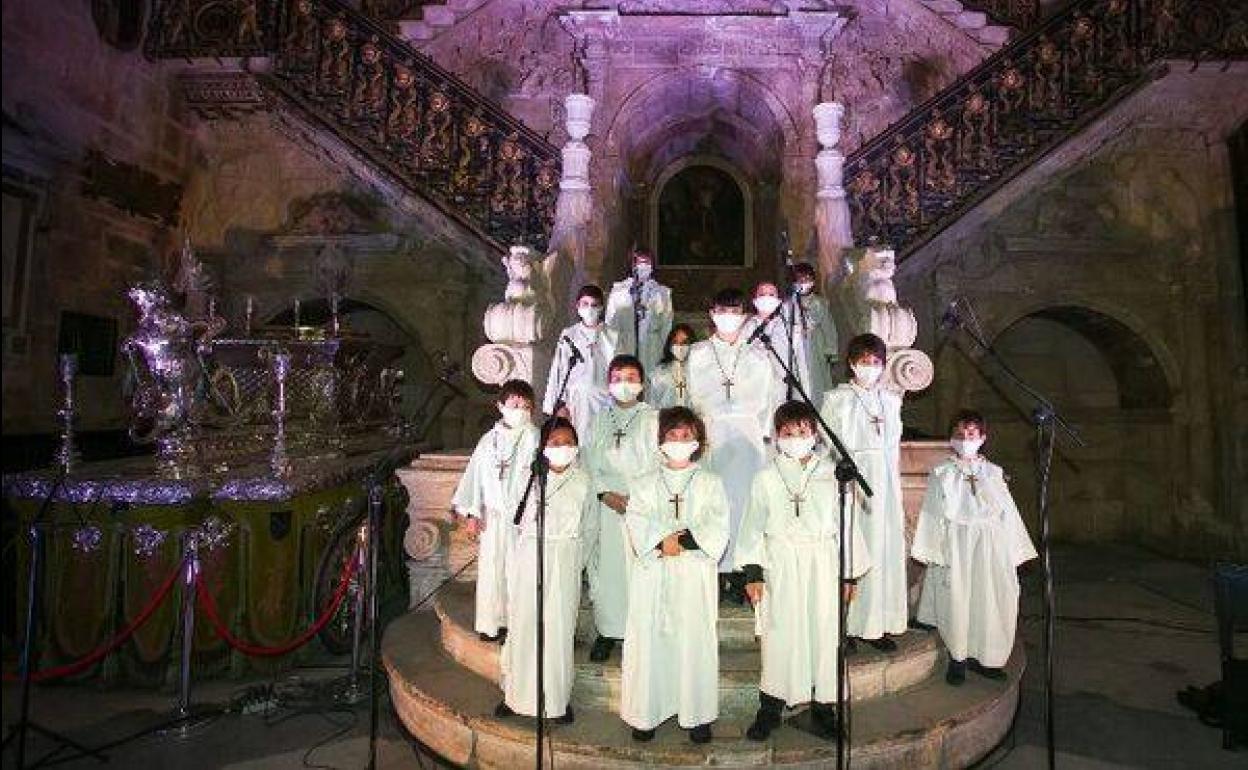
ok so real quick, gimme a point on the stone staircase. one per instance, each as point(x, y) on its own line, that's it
point(976, 23)
point(946, 156)
point(427, 20)
point(444, 685)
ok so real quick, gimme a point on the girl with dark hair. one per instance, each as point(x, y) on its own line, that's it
point(669, 382)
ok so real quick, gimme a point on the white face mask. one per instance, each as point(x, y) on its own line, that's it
point(643, 272)
point(560, 456)
point(589, 313)
point(727, 323)
point(796, 447)
point(514, 416)
point(766, 304)
point(680, 352)
point(624, 392)
point(867, 374)
point(966, 448)
point(805, 287)
point(678, 451)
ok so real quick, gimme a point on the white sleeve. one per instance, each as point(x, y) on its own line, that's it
point(751, 545)
point(931, 531)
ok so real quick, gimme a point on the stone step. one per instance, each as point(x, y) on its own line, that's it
point(450, 710)
point(437, 16)
point(944, 7)
point(992, 35)
point(414, 31)
point(971, 20)
point(871, 674)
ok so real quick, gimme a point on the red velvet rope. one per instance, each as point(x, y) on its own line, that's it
point(101, 652)
point(256, 650)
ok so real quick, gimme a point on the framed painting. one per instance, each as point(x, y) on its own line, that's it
point(701, 216)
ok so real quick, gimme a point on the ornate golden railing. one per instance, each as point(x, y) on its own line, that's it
point(391, 103)
point(922, 173)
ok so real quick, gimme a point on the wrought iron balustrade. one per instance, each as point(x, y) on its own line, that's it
point(391, 103)
point(923, 172)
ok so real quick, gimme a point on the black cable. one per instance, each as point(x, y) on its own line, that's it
point(342, 729)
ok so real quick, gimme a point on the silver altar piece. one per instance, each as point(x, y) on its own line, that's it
point(162, 357)
point(279, 459)
point(67, 454)
point(87, 539)
point(147, 540)
point(249, 315)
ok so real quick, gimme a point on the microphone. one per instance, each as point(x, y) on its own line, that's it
point(577, 355)
point(761, 329)
point(952, 317)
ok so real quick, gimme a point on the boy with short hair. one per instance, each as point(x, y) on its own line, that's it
point(972, 539)
point(487, 496)
point(731, 387)
point(622, 442)
point(586, 392)
point(867, 418)
point(789, 548)
point(677, 526)
point(569, 517)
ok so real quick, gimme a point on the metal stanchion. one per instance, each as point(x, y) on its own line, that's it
point(186, 720)
point(352, 692)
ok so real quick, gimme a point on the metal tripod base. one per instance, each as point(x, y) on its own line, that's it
point(185, 723)
point(56, 754)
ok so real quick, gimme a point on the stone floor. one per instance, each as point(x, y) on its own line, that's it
point(1134, 629)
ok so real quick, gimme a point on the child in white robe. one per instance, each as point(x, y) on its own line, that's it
point(789, 548)
point(669, 381)
point(655, 319)
point(731, 387)
point(586, 392)
point(816, 329)
point(784, 337)
point(867, 418)
point(570, 515)
point(972, 539)
point(487, 495)
point(678, 527)
point(622, 442)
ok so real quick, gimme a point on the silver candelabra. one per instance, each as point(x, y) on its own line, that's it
point(67, 454)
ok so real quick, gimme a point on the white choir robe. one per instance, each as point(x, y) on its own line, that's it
point(972, 540)
point(778, 331)
point(656, 319)
point(736, 426)
point(799, 552)
point(586, 394)
point(611, 558)
point(668, 385)
point(821, 344)
point(483, 495)
point(569, 519)
point(881, 605)
point(671, 645)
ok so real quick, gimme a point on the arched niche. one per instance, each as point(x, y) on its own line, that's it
point(700, 216)
point(1106, 380)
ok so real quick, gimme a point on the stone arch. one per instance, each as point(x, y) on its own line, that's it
point(656, 192)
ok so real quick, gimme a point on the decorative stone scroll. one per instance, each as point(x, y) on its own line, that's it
point(868, 303)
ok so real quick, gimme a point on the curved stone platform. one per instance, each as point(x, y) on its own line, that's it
point(872, 674)
point(449, 707)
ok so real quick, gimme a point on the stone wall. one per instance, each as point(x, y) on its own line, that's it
point(739, 88)
point(96, 143)
point(1109, 274)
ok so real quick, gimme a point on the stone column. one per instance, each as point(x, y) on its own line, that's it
point(832, 222)
point(569, 236)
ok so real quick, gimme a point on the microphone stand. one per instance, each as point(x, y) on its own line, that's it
point(539, 472)
point(635, 291)
point(1046, 420)
point(847, 472)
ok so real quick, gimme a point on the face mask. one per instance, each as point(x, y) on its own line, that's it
point(727, 323)
point(624, 391)
point(643, 272)
point(514, 416)
point(796, 447)
point(560, 456)
point(766, 304)
point(867, 375)
point(589, 313)
point(678, 451)
point(966, 448)
point(805, 287)
point(680, 352)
